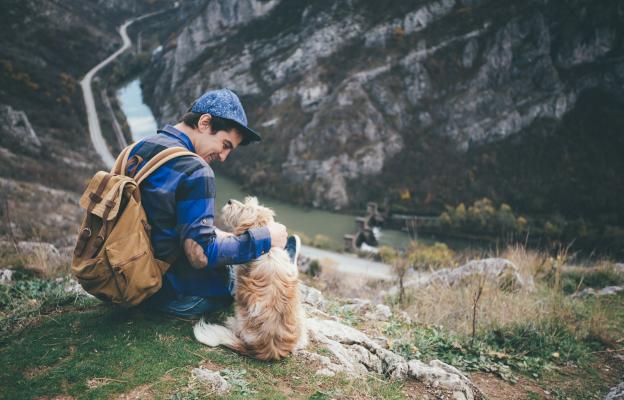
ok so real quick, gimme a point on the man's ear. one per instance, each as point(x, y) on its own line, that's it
point(204, 123)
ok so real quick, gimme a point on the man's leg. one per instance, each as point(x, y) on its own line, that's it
point(194, 306)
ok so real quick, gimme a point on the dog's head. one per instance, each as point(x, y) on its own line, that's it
point(242, 216)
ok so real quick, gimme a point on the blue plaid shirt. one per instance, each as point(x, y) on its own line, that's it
point(178, 199)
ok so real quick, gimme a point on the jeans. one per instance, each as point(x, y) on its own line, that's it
point(195, 306)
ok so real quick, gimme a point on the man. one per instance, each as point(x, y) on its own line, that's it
point(179, 198)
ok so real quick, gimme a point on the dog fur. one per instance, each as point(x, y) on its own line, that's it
point(269, 322)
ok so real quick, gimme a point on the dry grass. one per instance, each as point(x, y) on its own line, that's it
point(38, 258)
point(452, 307)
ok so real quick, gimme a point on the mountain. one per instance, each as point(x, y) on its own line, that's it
point(46, 155)
point(419, 103)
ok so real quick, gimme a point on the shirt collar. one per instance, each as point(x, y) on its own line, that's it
point(179, 135)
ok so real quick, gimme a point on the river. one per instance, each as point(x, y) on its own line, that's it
point(311, 222)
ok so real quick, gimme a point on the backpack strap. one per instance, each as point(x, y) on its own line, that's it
point(159, 159)
point(122, 160)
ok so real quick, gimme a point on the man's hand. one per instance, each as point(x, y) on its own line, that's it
point(278, 234)
point(222, 234)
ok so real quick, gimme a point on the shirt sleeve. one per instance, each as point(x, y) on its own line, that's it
point(195, 198)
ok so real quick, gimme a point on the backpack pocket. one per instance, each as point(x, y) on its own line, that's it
point(133, 262)
point(95, 277)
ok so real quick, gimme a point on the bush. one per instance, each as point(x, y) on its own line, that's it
point(482, 217)
point(421, 256)
point(322, 242)
point(574, 279)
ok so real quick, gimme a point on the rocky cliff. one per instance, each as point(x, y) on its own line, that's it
point(420, 103)
point(45, 49)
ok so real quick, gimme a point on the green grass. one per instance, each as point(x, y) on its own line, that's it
point(597, 278)
point(99, 352)
point(532, 349)
point(55, 343)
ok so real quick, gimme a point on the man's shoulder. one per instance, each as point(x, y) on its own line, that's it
point(183, 165)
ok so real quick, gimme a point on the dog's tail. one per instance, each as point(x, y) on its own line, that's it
point(218, 335)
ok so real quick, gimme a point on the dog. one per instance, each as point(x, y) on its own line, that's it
point(269, 323)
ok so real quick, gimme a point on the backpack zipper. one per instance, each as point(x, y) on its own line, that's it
point(133, 258)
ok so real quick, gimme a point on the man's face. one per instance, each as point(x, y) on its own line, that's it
point(215, 146)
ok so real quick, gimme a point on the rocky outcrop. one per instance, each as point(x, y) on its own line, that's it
point(212, 379)
point(352, 352)
point(590, 292)
point(616, 393)
point(352, 93)
point(498, 271)
point(16, 131)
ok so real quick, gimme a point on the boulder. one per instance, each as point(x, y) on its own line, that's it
point(589, 292)
point(5, 276)
point(377, 312)
point(380, 312)
point(212, 379)
point(439, 374)
point(616, 393)
point(311, 296)
point(499, 270)
point(352, 352)
point(16, 132)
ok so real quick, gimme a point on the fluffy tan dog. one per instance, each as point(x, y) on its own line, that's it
point(269, 322)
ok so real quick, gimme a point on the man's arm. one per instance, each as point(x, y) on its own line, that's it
point(195, 197)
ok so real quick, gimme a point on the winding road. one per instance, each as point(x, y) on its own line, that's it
point(95, 131)
point(346, 263)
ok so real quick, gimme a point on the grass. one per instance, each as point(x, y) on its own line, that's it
point(56, 343)
point(94, 351)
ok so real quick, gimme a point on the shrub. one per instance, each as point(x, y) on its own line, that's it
point(482, 217)
point(421, 256)
point(322, 242)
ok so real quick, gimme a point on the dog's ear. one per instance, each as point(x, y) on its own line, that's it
point(265, 215)
point(251, 201)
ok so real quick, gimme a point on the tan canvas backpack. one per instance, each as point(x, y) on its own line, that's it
point(113, 259)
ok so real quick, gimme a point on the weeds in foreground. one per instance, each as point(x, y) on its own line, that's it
point(29, 298)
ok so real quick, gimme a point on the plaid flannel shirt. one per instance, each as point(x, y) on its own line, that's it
point(178, 199)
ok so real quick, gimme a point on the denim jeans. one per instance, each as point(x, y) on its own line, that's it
point(195, 306)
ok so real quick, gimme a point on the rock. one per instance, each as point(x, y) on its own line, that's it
point(377, 312)
point(589, 292)
point(585, 293)
point(499, 270)
point(325, 372)
point(41, 249)
point(346, 124)
point(610, 290)
point(27, 248)
point(439, 374)
point(616, 393)
point(311, 296)
point(16, 131)
point(380, 312)
point(354, 305)
point(212, 379)
point(619, 267)
point(72, 286)
point(6, 276)
point(354, 353)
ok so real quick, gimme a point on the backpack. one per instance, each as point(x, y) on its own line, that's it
point(113, 259)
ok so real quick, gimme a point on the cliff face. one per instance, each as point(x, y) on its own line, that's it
point(421, 103)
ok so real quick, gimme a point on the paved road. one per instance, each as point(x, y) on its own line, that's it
point(94, 124)
point(351, 264)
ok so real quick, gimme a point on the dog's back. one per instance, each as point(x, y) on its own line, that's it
point(269, 322)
